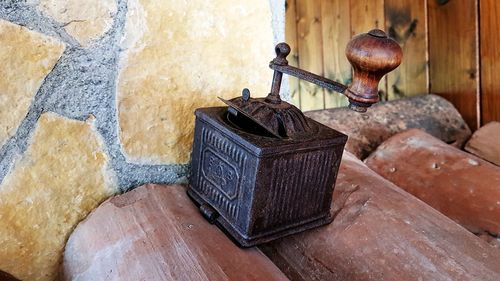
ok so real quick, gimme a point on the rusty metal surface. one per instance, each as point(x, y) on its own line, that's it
point(282, 120)
point(372, 55)
point(259, 188)
point(262, 170)
point(280, 65)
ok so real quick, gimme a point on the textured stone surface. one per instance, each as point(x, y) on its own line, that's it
point(367, 130)
point(180, 55)
point(27, 57)
point(60, 178)
point(83, 83)
point(84, 20)
point(458, 184)
point(155, 232)
point(485, 143)
point(381, 232)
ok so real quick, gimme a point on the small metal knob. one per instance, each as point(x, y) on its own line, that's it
point(209, 213)
point(245, 94)
point(371, 55)
point(282, 51)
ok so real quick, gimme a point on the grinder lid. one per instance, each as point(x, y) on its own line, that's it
point(279, 118)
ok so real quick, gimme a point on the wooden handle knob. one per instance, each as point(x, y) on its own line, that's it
point(371, 55)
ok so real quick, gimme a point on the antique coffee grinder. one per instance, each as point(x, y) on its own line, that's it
point(261, 169)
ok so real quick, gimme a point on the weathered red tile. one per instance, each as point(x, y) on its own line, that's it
point(381, 232)
point(485, 143)
point(155, 232)
point(458, 184)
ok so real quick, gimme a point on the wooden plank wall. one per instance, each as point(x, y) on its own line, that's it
point(450, 48)
point(490, 60)
point(453, 55)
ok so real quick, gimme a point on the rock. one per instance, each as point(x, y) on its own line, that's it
point(485, 143)
point(381, 232)
point(461, 186)
point(60, 178)
point(155, 232)
point(86, 20)
point(366, 131)
point(27, 57)
point(181, 55)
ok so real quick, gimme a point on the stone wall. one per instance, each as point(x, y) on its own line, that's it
point(97, 97)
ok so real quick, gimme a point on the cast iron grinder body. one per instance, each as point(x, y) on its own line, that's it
point(261, 170)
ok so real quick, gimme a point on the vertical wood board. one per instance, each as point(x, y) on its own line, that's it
point(454, 69)
point(336, 28)
point(490, 60)
point(291, 39)
point(311, 52)
point(406, 22)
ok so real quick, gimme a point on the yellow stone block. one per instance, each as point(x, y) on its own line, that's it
point(84, 20)
point(27, 57)
point(61, 177)
point(181, 55)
